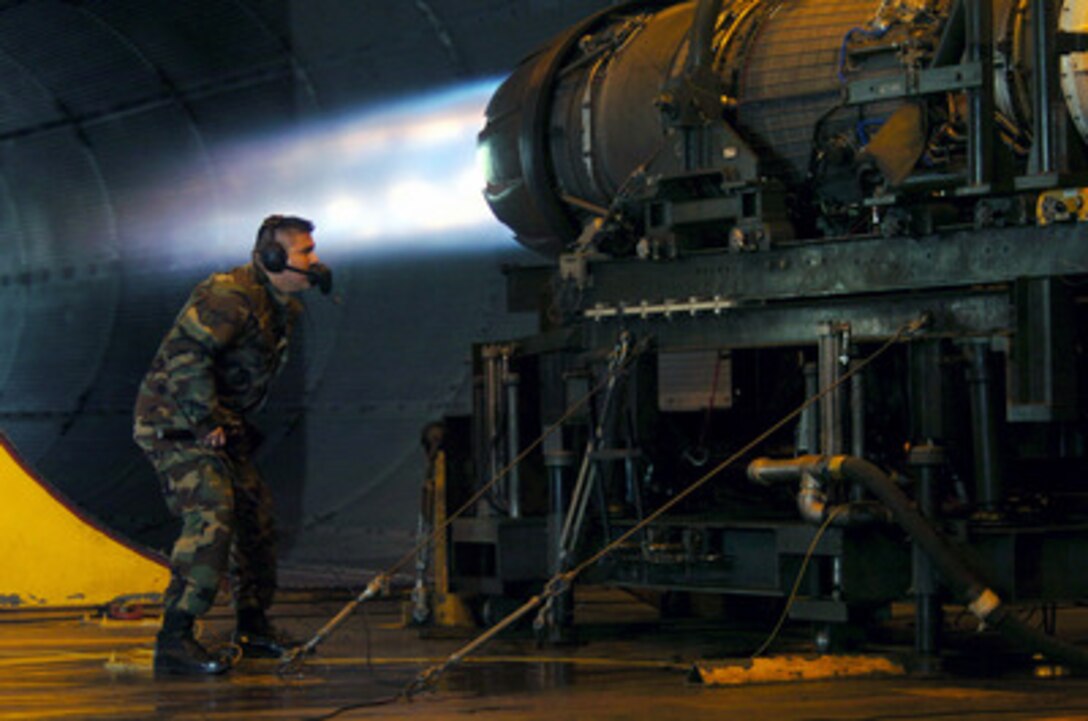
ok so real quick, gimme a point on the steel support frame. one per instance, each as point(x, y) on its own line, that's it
point(838, 268)
point(966, 283)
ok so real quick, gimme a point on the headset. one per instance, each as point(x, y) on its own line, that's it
point(273, 256)
point(269, 251)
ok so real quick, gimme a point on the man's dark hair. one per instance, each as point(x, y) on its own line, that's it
point(266, 234)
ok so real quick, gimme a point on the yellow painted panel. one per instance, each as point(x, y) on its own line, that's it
point(51, 555)
point(795, 668)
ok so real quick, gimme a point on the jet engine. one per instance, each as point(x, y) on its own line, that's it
point(749, 123)
point(818, 319)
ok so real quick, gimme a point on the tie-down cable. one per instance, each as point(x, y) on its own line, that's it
point(622, 357)
point(561, 582)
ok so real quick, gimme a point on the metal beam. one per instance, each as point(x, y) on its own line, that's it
point(790, 324)
point(842, 268)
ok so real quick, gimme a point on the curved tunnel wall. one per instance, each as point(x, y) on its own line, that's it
point(114, 124)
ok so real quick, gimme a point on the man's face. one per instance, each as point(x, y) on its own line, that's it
point(301, 255)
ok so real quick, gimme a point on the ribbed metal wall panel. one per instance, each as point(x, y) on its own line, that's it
point(67, 288)
point(194, 42)
point(81, 63)
point(117, 122)
point(790, 78)
point(23, 99)
point(156, 165)
point(64, 210)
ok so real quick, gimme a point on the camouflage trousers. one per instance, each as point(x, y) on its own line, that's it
point(227, 525)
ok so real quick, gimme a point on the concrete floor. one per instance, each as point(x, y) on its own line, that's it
point(626, 665)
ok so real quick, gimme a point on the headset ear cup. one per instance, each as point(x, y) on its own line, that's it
point(273, 257)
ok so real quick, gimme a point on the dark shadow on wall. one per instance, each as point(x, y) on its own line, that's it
point(370, 366)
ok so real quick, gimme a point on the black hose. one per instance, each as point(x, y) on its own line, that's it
point(958, 575)
point(950, 47)
point(700, 51)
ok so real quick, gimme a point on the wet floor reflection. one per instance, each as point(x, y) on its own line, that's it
point(71, 669)
point(491, 680)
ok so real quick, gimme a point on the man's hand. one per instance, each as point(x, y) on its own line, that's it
point(216, 439)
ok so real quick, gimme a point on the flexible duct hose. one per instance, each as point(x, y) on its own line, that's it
point(966, 583)
point(700, 53)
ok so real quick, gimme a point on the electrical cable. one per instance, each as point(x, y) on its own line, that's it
point(875, 34)
point(900, 334)
point(586, 661)
point(700, 448)
point(797, 583)
point(293, 658)
point(561, 581)
point(381, 701)
point(958, 713)
point(369, 647)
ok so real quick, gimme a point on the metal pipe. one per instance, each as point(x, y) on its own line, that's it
point(572, 526)
point(830, 352)
point(513, 433)
point(927, 604)
point(980, 99)
point(950, 48)
point(857, 414)
point(693, 306)
point(811, 500)
point(1042, 152)
point(989, 480)
point(491, 417)
point(441, 544)
point(838, 575)
point(769, 471)
point(926, 378)
point(557, 462)
point(966, 583)
point(480, 433)
point(703, 24)
point(636, 500)
point(959, 576)
point(420, 607)
point(573, 521)
point(927, 425)
point(808, 429)
point(857, 423)
point(604, 478)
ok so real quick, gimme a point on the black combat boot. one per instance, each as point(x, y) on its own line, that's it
point(256, 636)
point(177, 652)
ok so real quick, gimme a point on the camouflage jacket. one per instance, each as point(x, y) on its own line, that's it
point(217, 361)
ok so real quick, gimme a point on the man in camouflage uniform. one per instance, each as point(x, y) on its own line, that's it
point(213, 368)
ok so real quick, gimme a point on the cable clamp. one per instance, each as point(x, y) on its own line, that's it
point(423, 681)
point(984, 604)
point(558, 585)
point(377, 586)
point(919, 323)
